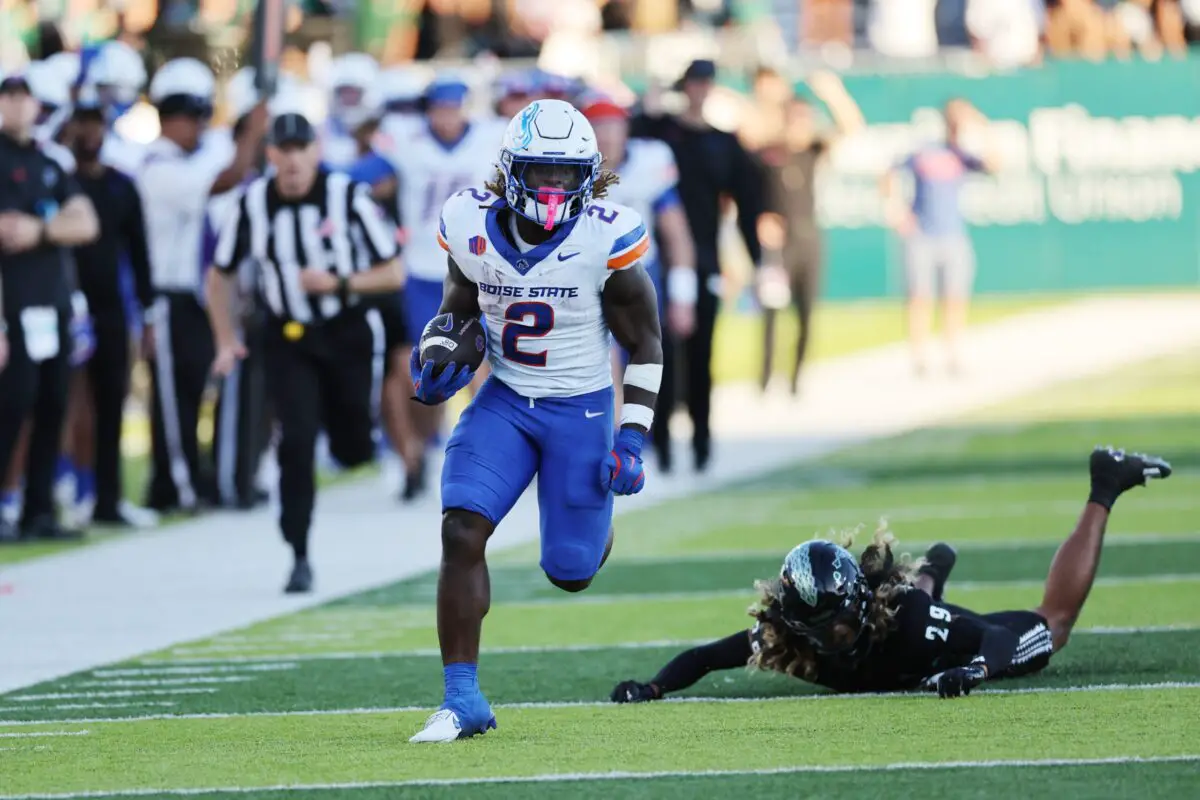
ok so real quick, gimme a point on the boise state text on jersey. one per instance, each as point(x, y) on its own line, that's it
point(546, 331)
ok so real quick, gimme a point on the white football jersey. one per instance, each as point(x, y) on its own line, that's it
point(648, 179)
point(122, 154)
point(430, 173)
point(338, 150)
point(547, 336)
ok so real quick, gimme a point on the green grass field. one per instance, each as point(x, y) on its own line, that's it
point(327, 698)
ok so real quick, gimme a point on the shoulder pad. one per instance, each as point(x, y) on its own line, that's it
point(624, 228)
point(461, 215)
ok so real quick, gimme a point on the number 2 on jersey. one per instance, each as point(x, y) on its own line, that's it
point(933, 632)
point(526, 321)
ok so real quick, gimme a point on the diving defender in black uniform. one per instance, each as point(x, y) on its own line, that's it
point(872, 625)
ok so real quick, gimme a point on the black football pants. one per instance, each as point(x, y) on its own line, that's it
point(693, 358)
point(183, 356)
point(108, 378)
point(37, 389)
point(242, 430)
point(327, 378)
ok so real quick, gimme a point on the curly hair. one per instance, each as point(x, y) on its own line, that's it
point(604, 180)
point(887, 577)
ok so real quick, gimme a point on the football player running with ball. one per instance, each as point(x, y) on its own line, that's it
point(552, 269)
point(874, 625)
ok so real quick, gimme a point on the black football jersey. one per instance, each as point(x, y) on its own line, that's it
point(925, 639)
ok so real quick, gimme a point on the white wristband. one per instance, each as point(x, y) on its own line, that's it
point(635, 414)
point(682, 286)
point(644, 376)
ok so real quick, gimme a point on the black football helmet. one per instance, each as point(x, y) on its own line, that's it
point(821, 584)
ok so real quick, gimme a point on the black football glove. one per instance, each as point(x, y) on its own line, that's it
point(634, 692)
point(957, 681)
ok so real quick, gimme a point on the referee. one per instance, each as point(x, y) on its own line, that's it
point(321, 243)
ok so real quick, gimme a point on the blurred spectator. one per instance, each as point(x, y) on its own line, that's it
point(903, 28)
point(1079, 27)
point(1191, 18)
point(788, 229)
point(937, 248)
point(1004, 31)
point(829, 21)
point(617, 15)
point(712, 165)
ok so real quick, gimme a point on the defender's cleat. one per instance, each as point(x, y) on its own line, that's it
point(939, 563)
point(1115, 472)
point(444, 726)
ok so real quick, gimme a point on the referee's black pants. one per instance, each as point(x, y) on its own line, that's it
point(38, 388)
point(693, 358)
point(241, 431)
point(183, 356)
point(324, 376)
point(108, 377)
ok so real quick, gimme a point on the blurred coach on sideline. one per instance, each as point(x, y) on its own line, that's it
point(42, 211)
point(712, 164)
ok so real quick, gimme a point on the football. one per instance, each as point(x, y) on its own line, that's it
point(451, 339)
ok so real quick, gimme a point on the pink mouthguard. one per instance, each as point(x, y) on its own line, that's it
point(551, 198)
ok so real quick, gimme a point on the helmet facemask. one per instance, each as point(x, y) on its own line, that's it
point(546, 190)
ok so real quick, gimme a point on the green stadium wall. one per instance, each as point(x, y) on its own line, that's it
point(1099, 186)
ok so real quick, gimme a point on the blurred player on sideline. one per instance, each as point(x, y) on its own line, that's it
point(445, 154)
point(874, 625)
point(396, 116)
point(648, 182)
point(553, 269)
point(353, 102)
point(118, 75)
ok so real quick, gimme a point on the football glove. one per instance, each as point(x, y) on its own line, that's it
point(957, 681)
point(621, 472)
point(430, 390)
point(83, 334)
point(634, 692)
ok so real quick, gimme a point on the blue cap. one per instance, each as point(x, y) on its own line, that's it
point(447, 92)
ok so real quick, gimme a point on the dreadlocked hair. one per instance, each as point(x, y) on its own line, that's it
point(887, 576)
point(604, 180)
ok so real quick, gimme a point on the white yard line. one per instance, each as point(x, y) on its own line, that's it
point(137, 594)
point(79, 707)
point(34, 734)
point(774, 701)
point(122, 683)
point(195, 655)
point(917, 546)
point(135, 672)
point(576, 777)
point(18, 698)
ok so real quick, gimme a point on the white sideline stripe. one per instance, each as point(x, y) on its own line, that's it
point(129, 684)
point(116, 693)
point(292, 658)
point(915, 548)
point(145, 671)
point(575, 777)
point(830, 696)
point(372, 614)
point(33, 734)
point(80, 706)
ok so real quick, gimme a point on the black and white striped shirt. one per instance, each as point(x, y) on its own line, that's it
point(336, 227)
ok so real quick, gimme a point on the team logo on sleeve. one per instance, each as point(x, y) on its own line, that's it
point(477, 245)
